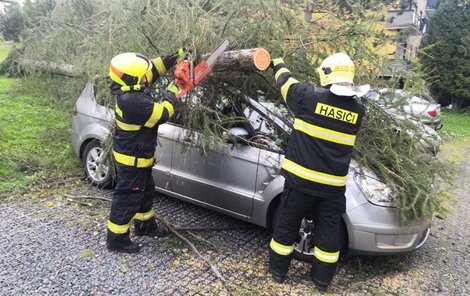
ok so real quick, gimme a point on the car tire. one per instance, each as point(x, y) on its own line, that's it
point(96, 172)
point(303, 246)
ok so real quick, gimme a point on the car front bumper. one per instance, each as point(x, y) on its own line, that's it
point(378, 231)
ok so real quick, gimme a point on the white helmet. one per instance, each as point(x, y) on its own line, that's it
point(338, 71)
point(336, 68)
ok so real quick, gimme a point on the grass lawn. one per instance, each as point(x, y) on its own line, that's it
point(5, 48)
point(456, 132)
point(456, 124)
point(34, 138)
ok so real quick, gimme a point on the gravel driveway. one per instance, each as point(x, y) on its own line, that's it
point(54, 244)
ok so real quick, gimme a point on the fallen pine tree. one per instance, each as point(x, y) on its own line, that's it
point(88, 33)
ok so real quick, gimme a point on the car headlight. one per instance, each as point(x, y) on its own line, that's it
point(376, 192)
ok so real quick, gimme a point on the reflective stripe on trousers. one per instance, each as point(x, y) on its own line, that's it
point(133, 161)
point(281, 249)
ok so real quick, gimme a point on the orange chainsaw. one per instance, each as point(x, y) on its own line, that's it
point(188, 76)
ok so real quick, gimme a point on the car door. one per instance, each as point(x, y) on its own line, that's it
point(222, 177)
point(163, 157)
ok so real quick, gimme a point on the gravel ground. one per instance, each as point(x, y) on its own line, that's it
point(53, 244)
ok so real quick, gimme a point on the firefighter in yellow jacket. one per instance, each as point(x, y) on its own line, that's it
point(137, 120)
point(316, 163)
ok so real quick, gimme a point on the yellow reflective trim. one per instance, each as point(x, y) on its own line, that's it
point(350, 69)
point(118, 229)
point(118, 110)
point(336, 113)
point(145, 216)
point(281, 249)
point(160, 66)
point(286, 86)
point(312, 175)
point(156, 115)
point(128, 127)
point(169, 108)
point(324, 133)
point(145, 162)
point(279, 72)
point(132, 160)
point(327, 257)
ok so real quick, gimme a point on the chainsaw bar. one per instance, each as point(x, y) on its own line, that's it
point(217, 52)
point(188, 76)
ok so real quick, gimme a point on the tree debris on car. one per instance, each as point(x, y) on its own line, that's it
point(87, 34)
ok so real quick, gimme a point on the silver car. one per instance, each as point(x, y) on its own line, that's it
point(240, 177)
point(407, 106)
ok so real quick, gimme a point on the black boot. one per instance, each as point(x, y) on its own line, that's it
point(322, 274)
point(278, 266)
point(121, 243)
point(149, 228)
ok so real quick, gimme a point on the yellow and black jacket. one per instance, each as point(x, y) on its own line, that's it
point(322, 140)
point(137, 119)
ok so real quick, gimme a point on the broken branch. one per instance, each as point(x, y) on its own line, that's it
point(213, 268)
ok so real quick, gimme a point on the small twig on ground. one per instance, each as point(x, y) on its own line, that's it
point(81, 202)
point(213, 268)
point(87, 197)
point(187, 228)
point(203, 240)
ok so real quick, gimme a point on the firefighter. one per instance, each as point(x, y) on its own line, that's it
point(137, 120)
point(316, 163)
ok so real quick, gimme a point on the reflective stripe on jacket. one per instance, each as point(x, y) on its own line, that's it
point(323, 136)
point(137, 119)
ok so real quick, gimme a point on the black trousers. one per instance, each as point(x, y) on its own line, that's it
point(327, 212)
point(134, 193)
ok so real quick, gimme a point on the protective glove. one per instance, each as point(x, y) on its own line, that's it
point(173, 88)
point(275, 62)
point(183, 52)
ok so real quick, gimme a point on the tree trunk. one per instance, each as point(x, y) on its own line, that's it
point(457, 103)
point(49, 67)
point(253, 59)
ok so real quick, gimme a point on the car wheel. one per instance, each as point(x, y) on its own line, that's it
point(96, 171)
point(303, 246)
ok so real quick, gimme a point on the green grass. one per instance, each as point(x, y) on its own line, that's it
point(5, 48)
point(34, 138)
point(456, 124)
point(3, 53)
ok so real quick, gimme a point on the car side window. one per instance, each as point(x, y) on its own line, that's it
point(102, 94)
point(266, 135)
point(214, 120)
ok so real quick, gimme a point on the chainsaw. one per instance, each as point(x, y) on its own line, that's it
point(187, 76)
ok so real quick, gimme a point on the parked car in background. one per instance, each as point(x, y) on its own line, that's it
point(403, 104)
point(240, 176)
point(424, 115)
